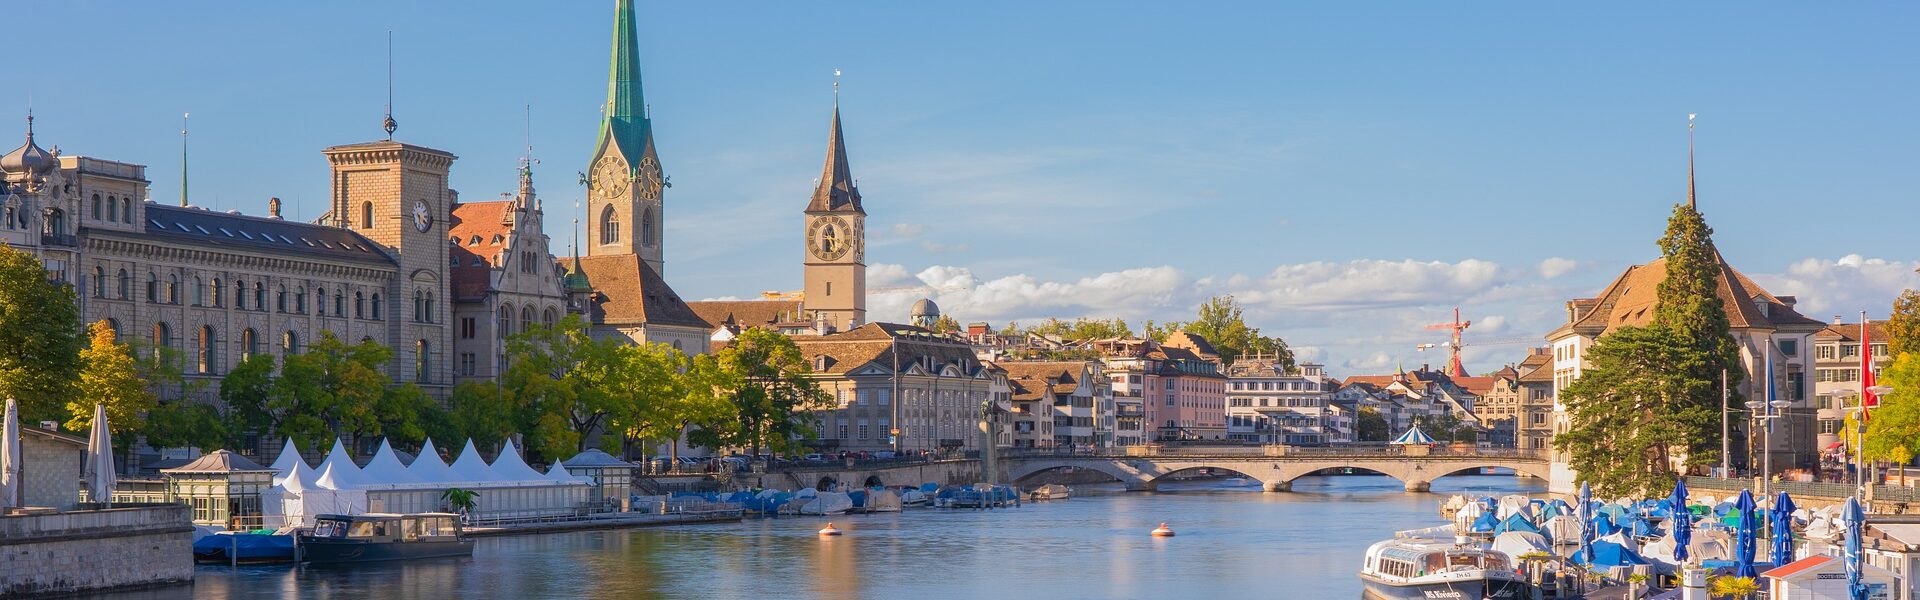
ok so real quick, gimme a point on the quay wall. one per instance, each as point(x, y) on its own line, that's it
point(90, 550)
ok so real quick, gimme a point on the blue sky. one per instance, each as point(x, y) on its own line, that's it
point(1350, 171)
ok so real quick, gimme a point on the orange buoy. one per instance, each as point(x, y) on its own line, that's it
point(1163, 531)
point(829, 530)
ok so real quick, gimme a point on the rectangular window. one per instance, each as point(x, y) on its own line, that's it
point(863, 431)
point(1790, 347)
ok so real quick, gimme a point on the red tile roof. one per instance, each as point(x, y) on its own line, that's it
point(628, 292)
point(1851, 332)
point(478, 230)
point(1798, 566)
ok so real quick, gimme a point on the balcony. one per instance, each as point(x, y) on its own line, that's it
point(59, 239)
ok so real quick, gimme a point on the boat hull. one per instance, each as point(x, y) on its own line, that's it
point(338, 551)
point(1474, 589)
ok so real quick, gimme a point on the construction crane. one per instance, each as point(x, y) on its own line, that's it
point(1457, 326)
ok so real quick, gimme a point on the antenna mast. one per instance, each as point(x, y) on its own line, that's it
point(390, 125)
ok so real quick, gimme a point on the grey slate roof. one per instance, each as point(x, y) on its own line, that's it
point(242, 232)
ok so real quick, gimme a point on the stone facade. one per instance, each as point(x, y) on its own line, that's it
point(884, 377)
point(1268, 404)
point(69, 552)
point(51, 463)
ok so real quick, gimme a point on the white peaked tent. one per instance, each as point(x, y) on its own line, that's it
point(427, 467)
point(508, 466)
point(558, 472)
point(469, 468)
point(328, 496)
point(289, 463)
point(345, 473)
point(287, 498)
point(385, 469)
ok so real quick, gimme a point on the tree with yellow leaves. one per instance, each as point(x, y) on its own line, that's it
point(109, 375)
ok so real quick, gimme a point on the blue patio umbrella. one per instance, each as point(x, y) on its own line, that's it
point(1586, 520)
point(1855, 520)
point(1782, 529)
point(1745, 532)
point(1682, 520)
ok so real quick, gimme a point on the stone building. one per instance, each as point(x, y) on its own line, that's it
point(1076, 394)
point(1268, 404)
point(396, 258)
point(1177, 383)
point(900, 388)
point(1836, 363)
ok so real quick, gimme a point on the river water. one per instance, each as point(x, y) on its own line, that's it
point(1234, 542)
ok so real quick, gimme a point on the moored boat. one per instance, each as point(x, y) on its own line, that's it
point(229, 547)
point(1051, 491)
point(1439, 570)
point(380, 537)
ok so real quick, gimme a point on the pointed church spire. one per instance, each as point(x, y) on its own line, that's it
point(1690, 190)
point(836, 192)
point(626, 123)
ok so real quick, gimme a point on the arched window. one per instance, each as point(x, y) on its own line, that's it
point(376, 307)
point(359, 305)
point(259, 295)
point(422, 362)
point(56, 222)
point(320, 302)
point(249, 344)
point(99, 282)
point(199, 292)
point(239, 295)
point(646, 227)
point(219, 298)
point(126, 286)
point(113, 208)
point(96, 206)
point(505, 324)
point(126, 211)
point(339, 303)
point(114, 326)
point(430, 313)
point(300, 300)
point(207, 354)
point(153, 287)
point(280, 299)
point(526, 317)
point(289, 344)
point(162, 336)
point(419, 306)
point(551, 318)
point(173, 289)
point(609, 226)
point(366, 215)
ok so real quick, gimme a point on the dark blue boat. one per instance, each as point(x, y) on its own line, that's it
point(249, 548)
point(380, 537)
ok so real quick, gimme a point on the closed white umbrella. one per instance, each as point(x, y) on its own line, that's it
point(10, 458)
point(99, 475)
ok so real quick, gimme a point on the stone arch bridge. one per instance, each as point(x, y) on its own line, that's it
point(1277, 466)
point(1144, 467)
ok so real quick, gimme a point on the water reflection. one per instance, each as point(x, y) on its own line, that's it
point(1234, 542)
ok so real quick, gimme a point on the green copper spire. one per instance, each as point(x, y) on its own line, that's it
point(626, 120)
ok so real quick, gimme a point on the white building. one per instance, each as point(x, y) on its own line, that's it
point(1270, 405)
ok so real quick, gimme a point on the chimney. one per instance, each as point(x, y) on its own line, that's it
point(1839, 320)
point(273, 208)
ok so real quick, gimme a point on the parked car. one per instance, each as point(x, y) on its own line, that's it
point(815, 458)
point(885, 454)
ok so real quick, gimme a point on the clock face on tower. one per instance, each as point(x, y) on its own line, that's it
point(829, 238)
point(649, 179)
point(421, 218)
point(612, 175)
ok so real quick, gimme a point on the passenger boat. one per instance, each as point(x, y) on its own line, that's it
point(380, 536)
point(1436, 569)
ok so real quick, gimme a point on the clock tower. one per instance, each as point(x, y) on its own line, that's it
point(836, 261)
point(624, 182)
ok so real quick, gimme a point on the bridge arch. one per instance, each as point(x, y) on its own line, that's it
point(1132, 479)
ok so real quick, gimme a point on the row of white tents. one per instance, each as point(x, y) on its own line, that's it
point(386, 484)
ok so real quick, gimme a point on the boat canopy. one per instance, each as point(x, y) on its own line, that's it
point(1412, 436)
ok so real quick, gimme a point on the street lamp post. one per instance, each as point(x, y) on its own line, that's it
point(1766, 412)
point(1860, 425)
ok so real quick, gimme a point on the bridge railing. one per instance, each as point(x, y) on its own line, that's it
point(1276, 451)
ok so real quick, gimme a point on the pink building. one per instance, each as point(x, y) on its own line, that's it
point(1182, 394)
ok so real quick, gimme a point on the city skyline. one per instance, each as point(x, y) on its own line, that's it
point(1022, 181)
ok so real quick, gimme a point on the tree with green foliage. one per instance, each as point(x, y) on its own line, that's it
point(1370, 426)
point(110, 376)
point(653, 396)
point(330, 389)
point(1903, 326)
point(564, 382)
point(40, 338)
point(1893, 432)
point(476, 410)
point(187, 424)
point(764, 378)
point(1083, 329)
point(1223, 323)
point(1649, 393)
point(945, 324)
point(402, 414)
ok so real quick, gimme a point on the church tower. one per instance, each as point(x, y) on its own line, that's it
point(836, 261)
point(624, 180)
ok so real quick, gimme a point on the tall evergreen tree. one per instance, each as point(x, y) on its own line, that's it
point(1689, 300)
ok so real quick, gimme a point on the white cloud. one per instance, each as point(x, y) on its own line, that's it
point(1843, 286)
point(1555, 266)
point(938, 248)
point(907, 230)
point(1372, 284)
point(1377, 362)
